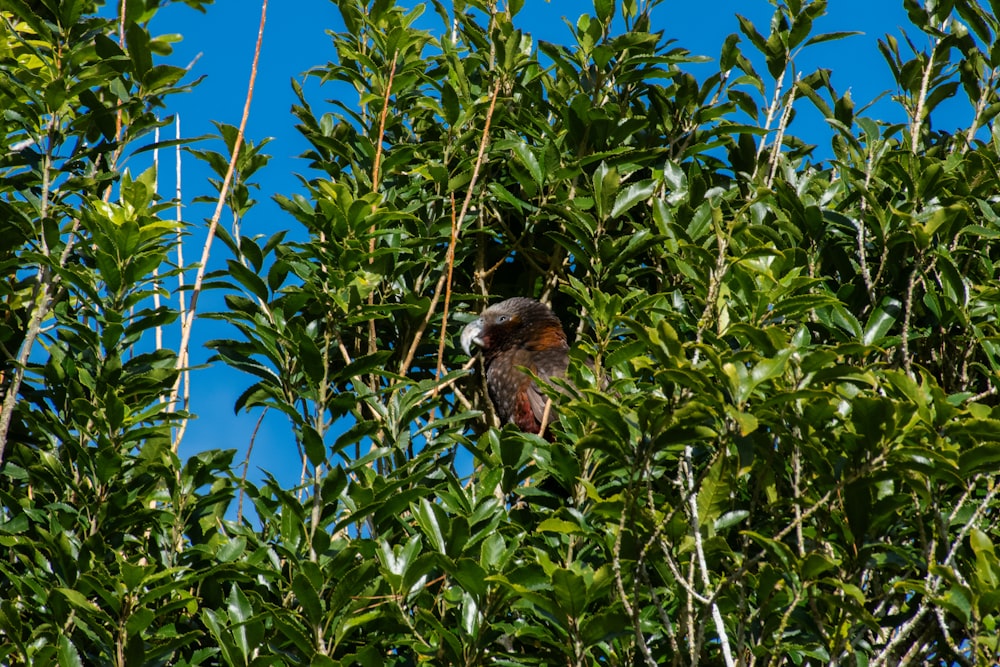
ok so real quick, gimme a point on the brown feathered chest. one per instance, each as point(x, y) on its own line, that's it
point(514, 334)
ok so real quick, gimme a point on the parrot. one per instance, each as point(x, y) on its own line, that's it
point(519, 332)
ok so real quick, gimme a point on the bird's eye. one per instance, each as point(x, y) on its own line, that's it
point(501, 319)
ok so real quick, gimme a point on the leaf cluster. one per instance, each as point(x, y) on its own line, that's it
point(777, 442)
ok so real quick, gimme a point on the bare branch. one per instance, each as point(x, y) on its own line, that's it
point(187, 323)
point(404, 367)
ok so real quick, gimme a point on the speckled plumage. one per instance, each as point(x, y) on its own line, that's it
point(519, 332)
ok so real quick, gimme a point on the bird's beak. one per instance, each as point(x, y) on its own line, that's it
point(470, 335)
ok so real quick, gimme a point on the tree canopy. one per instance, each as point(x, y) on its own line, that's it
point(778, 440)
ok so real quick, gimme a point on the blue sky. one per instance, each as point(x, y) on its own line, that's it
point(296, 39)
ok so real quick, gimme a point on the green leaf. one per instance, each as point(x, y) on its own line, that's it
point(632, 195)
point(715, 491)
point(77, 599)
point(138, 48)
point(308, 598)
point(881, 321)
point(830, 37)
point(527, 158)
point(240, 612)
point(313, 444)
point(471, 577)
point(570, 591)
point(603, 626)
point(983, 457)
point(730, 519)
point(980, 541)
point(561, 526)
point(604, 9)
point(450, 104)
point(816, 564)
point(231, 549)
point(958, 601)
point(68, 655)
point(775, 548)
point(746, 421)
point(768, 369)
point(605, 183)
point(429, 521)
point(248, 279)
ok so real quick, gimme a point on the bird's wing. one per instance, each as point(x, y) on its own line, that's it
point(546, 365)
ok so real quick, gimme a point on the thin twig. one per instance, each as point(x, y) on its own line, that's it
point(918, 114)
point(119, 146)
point(776, 656)
point(381, 135)
point(246, 467)
point(981, 104)
point(720, 626)
point(182, 360)
point(188, 323)
point(772, 109)
point(450, 260)
point(661, 611)
point(616, 565)
point(933, 581)
point(797, 497)
point(372, 340)
point(779, 137)
point(158, 329)
point(43, 296)
point(911, 284)
point(714, 282)
point(404, 367)
point(866, 274)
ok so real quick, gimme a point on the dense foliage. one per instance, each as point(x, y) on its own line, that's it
point(794, 458)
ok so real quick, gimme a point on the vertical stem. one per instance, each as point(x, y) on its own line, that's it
point(450, 260)
point(772, 109)
point(158, 330)
point(116, 153)
point(918, 114)
point(246, 467)
point(915, 277)
point(182, 357)
point(779, 137)
point(187, 323)
point(797, 491)
point(715, 277)
point(720, 627)
point(985, 92)
point(44, 292)
point(372, 343)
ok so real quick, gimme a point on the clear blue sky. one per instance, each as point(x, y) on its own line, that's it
point(296, 39)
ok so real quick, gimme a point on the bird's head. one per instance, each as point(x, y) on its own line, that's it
point(516, 322)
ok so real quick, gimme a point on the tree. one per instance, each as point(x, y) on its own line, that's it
point(794, 458)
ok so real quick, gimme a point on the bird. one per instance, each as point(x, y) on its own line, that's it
point(519, 332)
